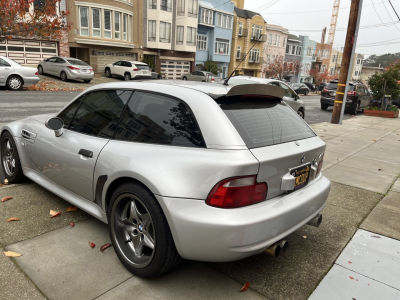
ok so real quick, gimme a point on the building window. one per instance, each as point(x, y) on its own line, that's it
point(107, 24)
point(284, 42)
point(206, 16)
point(299, 51)
point(201, 42)
point(152, 4)
point(224, 21)
point(84, 20)
point(192, 8)
point(276, 37)
point(179, 35)
point(288, 48)
point(293, 50)
point(191, 36)
point(279, 40)
point(358, 61)
point(270, 39)
point(130, 29)
point(323, 68)
point(238, 52)
point(332, 71)
point(165, 32)
point(124, 27)
point(319, 53)
point(333, 58)
point(96, 24)
point(221, 46)
point(256, 31)
point(309, 51)
point(152, 31)
point(254, 55)
point(181, 7)
point(240, 28)
point(166, 5)
point(117, 22)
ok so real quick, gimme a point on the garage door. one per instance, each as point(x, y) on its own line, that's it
point(108, 57)
point(174, 69)
point(28, 52)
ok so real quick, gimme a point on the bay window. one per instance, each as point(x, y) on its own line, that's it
point(201, 42)
point(84, 21)
point(191, 36)
point(117, 34)
point(181, 7)
point(206, 16)
point(179, 35)
point(270, 39)
point(165, 32)
point(96, 23)
point(107, 24)
point(124, 27)
point(152, 31)
point(254, 55)
point(256, 31)
point(152, 4)
point(192, 8)
point(221, 46)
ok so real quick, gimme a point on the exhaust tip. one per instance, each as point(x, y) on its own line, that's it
point(284, 245)
point(273, 250)
point(316, 221)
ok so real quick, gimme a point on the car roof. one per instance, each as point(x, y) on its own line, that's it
point(257, 79)
point(134, 62)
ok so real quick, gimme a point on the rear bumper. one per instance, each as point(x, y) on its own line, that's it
point(205, 233)
point(31, 80)
point(331, 102)
point(82, 76)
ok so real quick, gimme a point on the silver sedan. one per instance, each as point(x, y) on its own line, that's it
point(199, 76)
point(14, 76)
point(66, 68)
point(177, 169)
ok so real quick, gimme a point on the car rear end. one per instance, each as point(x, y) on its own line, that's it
point(244, 215)
point(29, 75)
point(328, 95)
point(141, 71)
point(77, 69)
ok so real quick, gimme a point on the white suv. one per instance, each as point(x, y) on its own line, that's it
point(128, 69)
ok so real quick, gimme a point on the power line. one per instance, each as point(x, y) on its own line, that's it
point(389, 15)
point(394, 9)
point(376, 11)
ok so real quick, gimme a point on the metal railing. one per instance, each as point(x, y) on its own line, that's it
point(261, 39)
point(245, 33)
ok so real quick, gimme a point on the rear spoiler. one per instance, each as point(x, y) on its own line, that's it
point(256, 89)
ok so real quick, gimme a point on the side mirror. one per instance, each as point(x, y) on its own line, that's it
point(55, 124)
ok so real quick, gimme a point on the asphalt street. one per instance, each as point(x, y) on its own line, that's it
point(18, 105)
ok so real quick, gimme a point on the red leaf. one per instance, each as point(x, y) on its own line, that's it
point(6, 199)
point(54, 213)
point(245, 287)
point(72, 224)
point(352, 278)
point(350, 262)
point(13, 219)
point(104, 247)
point(92, 245)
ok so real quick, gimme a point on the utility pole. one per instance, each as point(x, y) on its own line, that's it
point(347, 59)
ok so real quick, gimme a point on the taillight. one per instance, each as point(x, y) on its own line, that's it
point(36, 73)
point(135, 69)
point(351, 93)
point(325, 89)
point(320, 165)
point(237, 192)
point(91, 70)
point(212, 79)
point(73, 68)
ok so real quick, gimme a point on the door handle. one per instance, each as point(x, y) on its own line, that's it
point(86, 153)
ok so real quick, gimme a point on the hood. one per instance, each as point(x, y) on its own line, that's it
point(35, 123)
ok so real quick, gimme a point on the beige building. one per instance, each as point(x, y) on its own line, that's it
point(367, 72)
point(248, 26)
point(275, 44)
point(357, 67)
point(105, 31)
point(335, 62)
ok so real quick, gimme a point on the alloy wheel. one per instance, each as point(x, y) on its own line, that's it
point(300, 113)
point(133, 230)
point(63, 76)
point(15, 83)
point(40, 70)
point(8, 157)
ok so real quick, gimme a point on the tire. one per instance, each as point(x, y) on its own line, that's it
point(10, 161)
point(87, 81)
point(147, 226)
point(355, 109)
point(14, 83)
point(108, 73)
point(63, 76)
point(40, 70)
point(306, 93)
point(127, 77)
point(203, 81)
point(184, 78)
point(324, 106)
point(300, 112)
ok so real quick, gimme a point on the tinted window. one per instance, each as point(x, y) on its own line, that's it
point(288, 92)
point(60, 60)
point(3, 63)
point(263, 123)
point(67, 114)
point(77, 62)
point(53, 59)
point(157, 119)
point(99, 112)
point(118, 63)
point(142, 67)
point(238, 81)
point(127, 64)
point(333, 86)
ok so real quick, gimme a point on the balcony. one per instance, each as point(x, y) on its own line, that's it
point(241, 56)
point(244, 33)
point(259, 39)
point(319, 59)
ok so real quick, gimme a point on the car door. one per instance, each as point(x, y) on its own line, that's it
point(191, 76)
point(290, 97)
point(116, 69)
point(50, 67)
point(366, 98)
point(89, 123)
point(5, 70)
point(58, 65)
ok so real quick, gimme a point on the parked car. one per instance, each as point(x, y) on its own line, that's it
point(155, 75)
point(290, 97)
point(310, 85)
point(199, 76)
point(14, 76)
point(66, 68)
point(358, 96)
point(176, 169)
point(128, 70)
point(300, 88)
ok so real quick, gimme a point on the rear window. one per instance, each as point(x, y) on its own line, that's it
point(264, 122)
point(142, 67)
point(333, 86)
point(77, 62)
point(238, 81)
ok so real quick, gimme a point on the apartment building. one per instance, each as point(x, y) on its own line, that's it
point(105, 31)
point(214, 35)
point(357, 67)
point(248, 30)
point(275, 44)
point(30, 51)
point(322, 54)
point(169, 33)
point(293, 55)
point(335, 62)
point(307, 59)
point(367, 72)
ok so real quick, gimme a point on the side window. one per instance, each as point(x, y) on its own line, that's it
point(288, 92)
point(99, 113)
point(67, 114)
point(118, 63)
point(60, 60)
point(128, 64)
point(157, 119)
point(200, 74)
point(52, 60)
point(3, 63)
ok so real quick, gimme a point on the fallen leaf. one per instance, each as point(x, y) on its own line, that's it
point(12, 254)
point(5, 181)
point(54, 213)
point(104, 247)
point(376, 236)
point(352, 278)
point(72, 208)
point(374, 140)
point(350, 262)
point(92, 245)
point(6, 199)
point(304, 237)
point(72, 224)
point(13, 219)
point(245, 287)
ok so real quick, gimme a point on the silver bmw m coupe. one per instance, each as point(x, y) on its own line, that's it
point(177, 169)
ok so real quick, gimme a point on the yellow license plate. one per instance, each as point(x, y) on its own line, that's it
point(302, 175)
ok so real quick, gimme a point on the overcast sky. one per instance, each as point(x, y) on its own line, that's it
point(314, 15)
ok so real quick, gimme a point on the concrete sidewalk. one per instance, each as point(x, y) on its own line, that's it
point(57, 263)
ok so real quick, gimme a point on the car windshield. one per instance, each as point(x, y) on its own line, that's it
point(142, 67)
point(333, 86)
point(77, 62)
point(237, 81)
